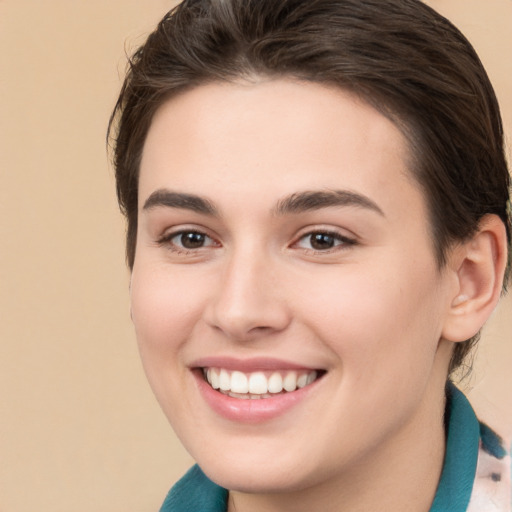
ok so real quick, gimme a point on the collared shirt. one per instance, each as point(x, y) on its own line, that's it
point(475, 476)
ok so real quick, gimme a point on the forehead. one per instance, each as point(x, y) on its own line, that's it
point(270, 138)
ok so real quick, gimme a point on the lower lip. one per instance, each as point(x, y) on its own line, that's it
point(250, 410)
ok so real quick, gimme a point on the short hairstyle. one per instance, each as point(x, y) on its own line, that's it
point(400, 56)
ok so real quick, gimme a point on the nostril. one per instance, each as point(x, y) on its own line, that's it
point(261, 329)
point(245, 328)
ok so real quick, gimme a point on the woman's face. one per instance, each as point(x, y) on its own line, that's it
point(282, 242)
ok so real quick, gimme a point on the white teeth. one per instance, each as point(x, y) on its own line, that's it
point(290, 381)
point(311, 377)
point(257, 385)
point(243, 396)
point(302, 380)
point(275, 383)
point(213, 378)
point(239, 383)
point(224, 380)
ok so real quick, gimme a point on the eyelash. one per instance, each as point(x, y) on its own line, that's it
point(343, 242)
point(167, 240)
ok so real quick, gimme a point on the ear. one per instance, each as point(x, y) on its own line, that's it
point(479, 265)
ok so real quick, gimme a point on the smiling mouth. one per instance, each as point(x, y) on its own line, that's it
point(260, 384)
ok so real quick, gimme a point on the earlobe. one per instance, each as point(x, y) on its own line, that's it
point(479, 265)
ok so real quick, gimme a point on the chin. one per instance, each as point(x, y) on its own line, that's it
point(261, 471)
point(268, 479)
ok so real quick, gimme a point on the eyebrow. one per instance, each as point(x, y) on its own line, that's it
point(315, 200)
point(170, 199)
point(295, 203)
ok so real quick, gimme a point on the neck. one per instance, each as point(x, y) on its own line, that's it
point(400, 476)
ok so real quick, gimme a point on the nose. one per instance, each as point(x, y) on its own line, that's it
point(249, 302)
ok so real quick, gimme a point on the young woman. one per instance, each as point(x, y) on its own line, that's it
point(318, 218)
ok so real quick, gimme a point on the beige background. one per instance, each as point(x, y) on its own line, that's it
point(79, 428)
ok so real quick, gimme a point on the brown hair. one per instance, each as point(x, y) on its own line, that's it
point(400, 56)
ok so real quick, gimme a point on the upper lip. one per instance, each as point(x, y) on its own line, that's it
point(249, 365)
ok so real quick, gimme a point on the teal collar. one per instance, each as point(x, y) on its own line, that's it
point(196, 493)
point(462, 442)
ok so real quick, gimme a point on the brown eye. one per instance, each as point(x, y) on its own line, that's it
point(192, 240)
point(187, 241)
point(324, 241)
point(321, 241)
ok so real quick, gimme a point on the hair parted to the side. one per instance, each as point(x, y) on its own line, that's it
point(400, 56)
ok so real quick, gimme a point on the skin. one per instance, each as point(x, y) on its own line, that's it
point(370, 312)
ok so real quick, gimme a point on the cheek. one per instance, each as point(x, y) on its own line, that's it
point(165, 308)
point(379, 324)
